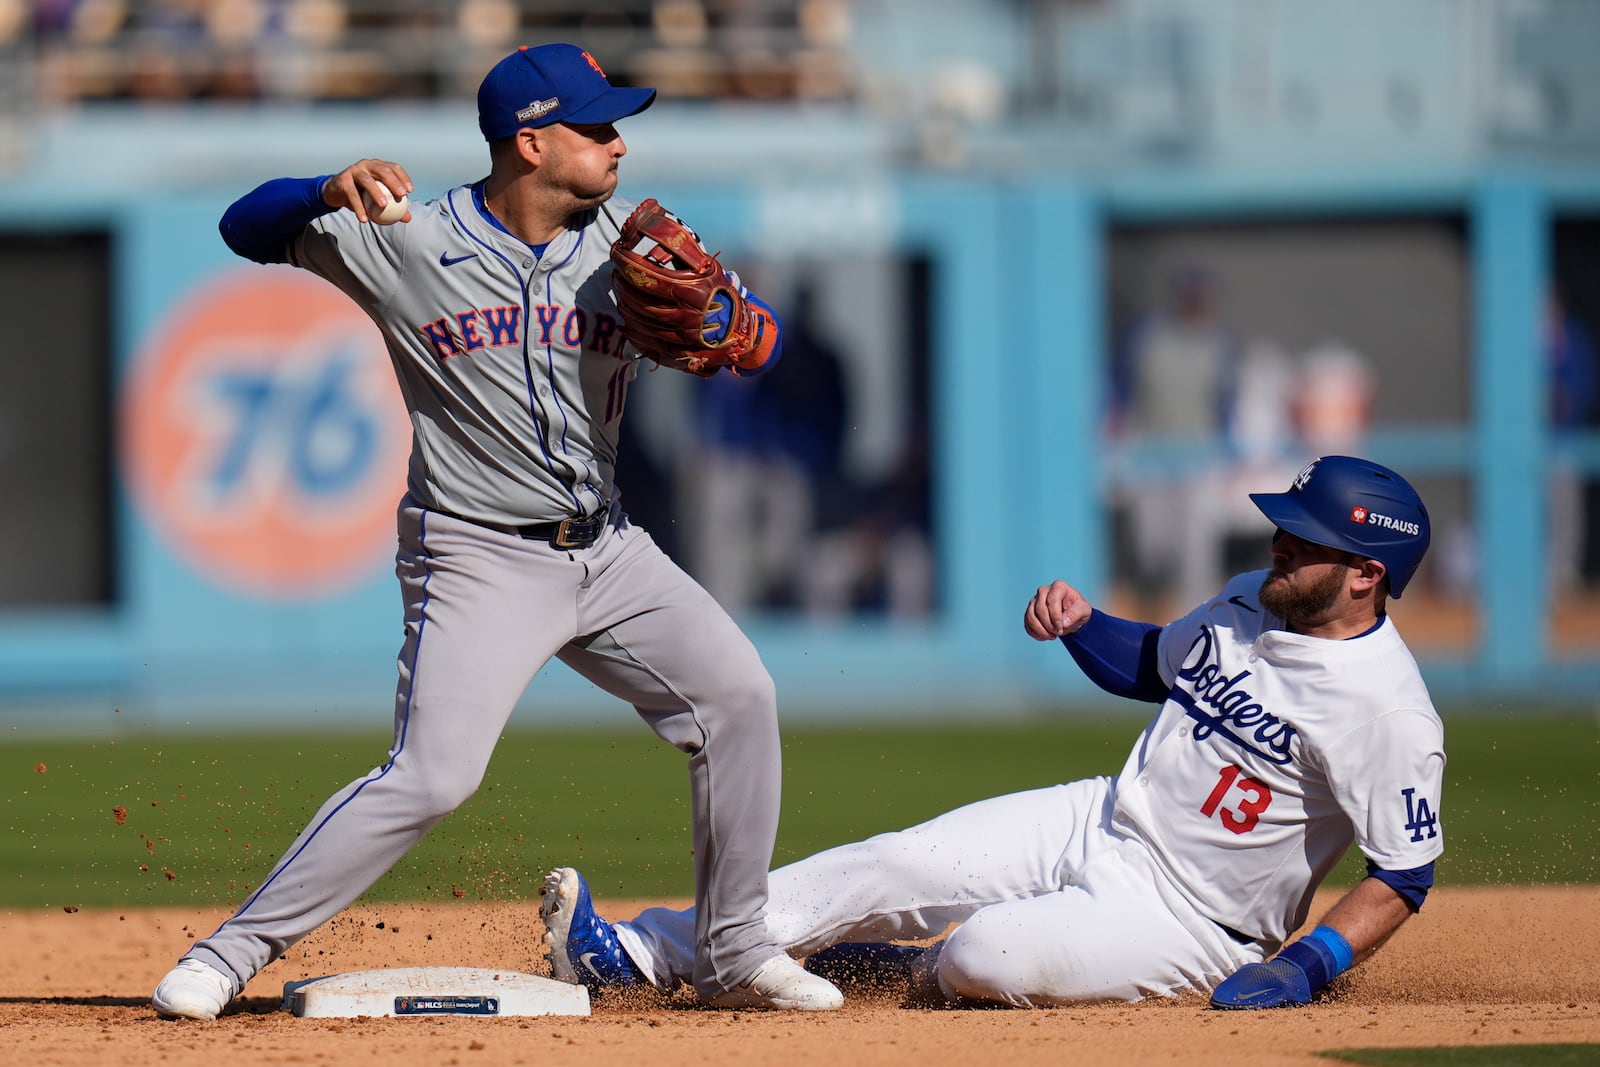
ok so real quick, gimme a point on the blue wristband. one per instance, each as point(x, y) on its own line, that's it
point(1323, 954)
point(1335, 942)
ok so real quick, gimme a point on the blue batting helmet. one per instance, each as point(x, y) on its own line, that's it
point(1357, 506)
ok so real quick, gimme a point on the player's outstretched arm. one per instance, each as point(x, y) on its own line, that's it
point(1353, 930)
point(260, 225)
point(1118, 655)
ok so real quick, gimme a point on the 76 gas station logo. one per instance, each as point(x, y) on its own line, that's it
point(264, 437)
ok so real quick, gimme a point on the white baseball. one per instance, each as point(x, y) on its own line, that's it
point(390, 213)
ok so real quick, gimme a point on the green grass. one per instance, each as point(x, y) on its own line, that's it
point(1522, 804)
point(1473, 1056)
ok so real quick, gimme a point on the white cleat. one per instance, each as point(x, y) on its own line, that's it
point(783, 985)
point(192, 990)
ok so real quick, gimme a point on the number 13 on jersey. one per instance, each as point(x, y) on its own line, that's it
point(1247, 798)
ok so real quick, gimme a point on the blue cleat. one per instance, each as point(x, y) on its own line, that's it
point(865, 963)
point(1277, 983)
point(582, 947)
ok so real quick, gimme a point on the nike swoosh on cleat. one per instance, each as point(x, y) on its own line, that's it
point(446, 260)
point(585, 958)
point(1253, 995)
point(1239, 600)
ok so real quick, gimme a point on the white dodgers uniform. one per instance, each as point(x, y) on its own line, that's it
point(1272, 753)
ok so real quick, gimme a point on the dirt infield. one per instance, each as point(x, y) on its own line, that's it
point(1478, 966)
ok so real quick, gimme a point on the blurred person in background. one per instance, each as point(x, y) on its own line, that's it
point(874, 552)
point(1573, 376)
point(1176, 391)
point(1333, 397)
point(767, 452)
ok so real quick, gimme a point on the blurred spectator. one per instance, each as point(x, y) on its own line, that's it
point(1573, 374)
point(682, 63)
point(1177, 388)
point(808, 394)
point(876, 553)
point(1266, 447)
point(1286, 413)
point(1333, 402)
point(766, 449)
point(52, 19)
point(646, 487)
point(1261, 423)
point(420, 49)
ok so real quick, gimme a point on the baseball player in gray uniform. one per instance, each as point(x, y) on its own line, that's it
point(1292, 721)
point(495, 303)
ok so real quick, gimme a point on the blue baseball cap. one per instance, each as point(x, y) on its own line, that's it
point(551, 83)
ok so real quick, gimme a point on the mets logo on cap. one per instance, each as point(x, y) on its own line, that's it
point(264, 438)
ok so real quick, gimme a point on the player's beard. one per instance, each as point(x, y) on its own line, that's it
point(1289, 602)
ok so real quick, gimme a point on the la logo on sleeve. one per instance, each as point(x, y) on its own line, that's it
point(1419, 816)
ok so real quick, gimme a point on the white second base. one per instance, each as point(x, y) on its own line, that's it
point(433, 991)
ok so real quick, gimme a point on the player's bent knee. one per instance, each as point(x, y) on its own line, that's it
point(990, 958)
point(435, 804)
point(974, 968)
point(742, 695)
point(432, 794)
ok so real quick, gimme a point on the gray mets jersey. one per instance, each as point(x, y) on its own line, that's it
point(514, 369)
point(513, 365)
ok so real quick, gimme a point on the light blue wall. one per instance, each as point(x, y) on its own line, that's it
point(1511, 248)
point(1018, 386)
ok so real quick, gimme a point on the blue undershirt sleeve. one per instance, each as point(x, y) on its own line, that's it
point(261, 223)
point(1413, 885)
point(1119, 656)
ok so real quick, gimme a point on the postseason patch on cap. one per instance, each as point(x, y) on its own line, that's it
point(538, 109)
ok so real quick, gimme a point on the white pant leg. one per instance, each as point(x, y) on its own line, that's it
point(1122, 933)
point(910, 884)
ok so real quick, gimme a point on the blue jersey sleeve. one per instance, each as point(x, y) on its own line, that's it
point(1119, 656)
point(1413, 885)
point(261, 223)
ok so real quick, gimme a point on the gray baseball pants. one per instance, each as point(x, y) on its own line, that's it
point(484, 611)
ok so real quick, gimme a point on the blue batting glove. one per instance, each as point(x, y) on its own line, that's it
point(1290, 978)
point(1276, 983)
